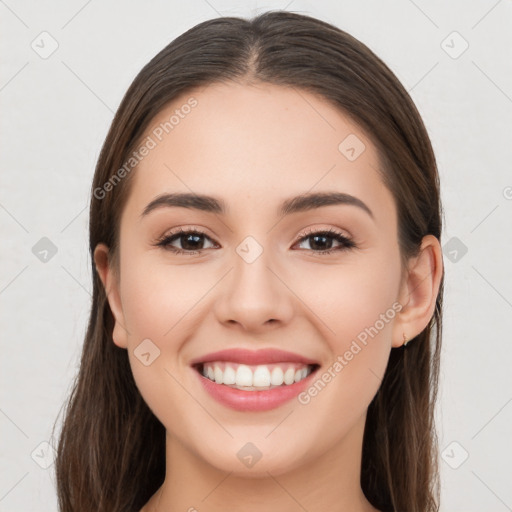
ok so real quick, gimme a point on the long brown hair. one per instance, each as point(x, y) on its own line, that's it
point(111, 449)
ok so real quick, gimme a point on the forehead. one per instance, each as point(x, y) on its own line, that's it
point(260, 141)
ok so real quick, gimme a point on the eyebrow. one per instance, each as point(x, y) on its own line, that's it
point(301, 203)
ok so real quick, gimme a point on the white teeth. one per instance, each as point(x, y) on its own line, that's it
point(301, 374)
point(243, 376)
point(229, 375)
point(218, 375)
point(277, 377)
point(255, 377)
point(261, 377)
point(289, 376)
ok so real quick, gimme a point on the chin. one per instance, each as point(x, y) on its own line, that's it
point(252, 459)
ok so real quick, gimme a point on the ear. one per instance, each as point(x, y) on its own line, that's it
point(111, 284)
point(418, 292)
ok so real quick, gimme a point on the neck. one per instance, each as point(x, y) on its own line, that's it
point(330, 482)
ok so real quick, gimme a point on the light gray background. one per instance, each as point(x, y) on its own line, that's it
point(55, 113)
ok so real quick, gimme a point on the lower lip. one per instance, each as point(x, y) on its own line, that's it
point(254, 400)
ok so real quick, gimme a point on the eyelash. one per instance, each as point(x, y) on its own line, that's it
point(346, 242)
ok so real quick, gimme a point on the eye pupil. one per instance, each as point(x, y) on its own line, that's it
point(194, 245)
point(321, 246)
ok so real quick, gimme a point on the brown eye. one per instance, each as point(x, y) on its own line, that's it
point(191, 241)
point(321, 242)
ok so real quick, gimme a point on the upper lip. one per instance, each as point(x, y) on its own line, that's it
point(253, 357)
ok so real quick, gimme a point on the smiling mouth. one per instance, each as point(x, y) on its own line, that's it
point(255, 377)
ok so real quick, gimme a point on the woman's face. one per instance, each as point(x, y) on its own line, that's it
point(255, 277)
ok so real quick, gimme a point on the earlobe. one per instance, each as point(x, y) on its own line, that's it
point(419, 291)
point(111, 285)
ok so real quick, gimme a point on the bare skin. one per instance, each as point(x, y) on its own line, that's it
point(254, 147)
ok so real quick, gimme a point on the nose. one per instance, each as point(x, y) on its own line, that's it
point(254, 296)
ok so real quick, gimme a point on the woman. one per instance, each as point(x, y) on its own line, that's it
point(266, 320)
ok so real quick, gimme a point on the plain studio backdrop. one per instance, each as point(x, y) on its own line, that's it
point(64, 69)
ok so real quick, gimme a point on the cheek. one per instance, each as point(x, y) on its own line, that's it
point(159, 299)
point(352, 296)
point(358, 305)
point(160, 310)
point(359, 313)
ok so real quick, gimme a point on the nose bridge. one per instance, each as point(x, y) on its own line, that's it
point(253, 294)
point(252, 262)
